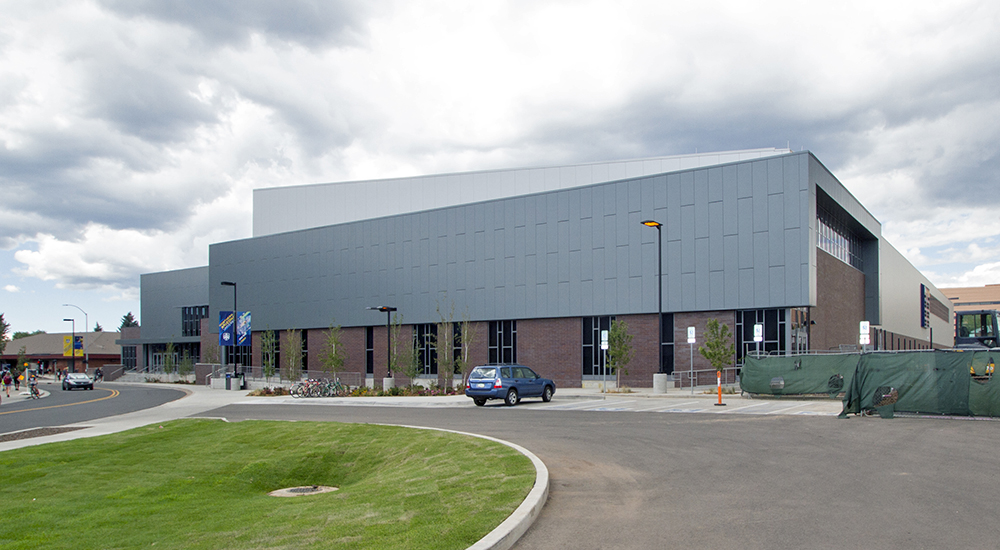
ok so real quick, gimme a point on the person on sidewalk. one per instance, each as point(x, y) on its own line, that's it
point(7, 381)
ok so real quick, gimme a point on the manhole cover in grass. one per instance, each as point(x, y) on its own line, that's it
point(302, 491)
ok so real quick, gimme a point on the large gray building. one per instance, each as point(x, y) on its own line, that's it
point(542, 259)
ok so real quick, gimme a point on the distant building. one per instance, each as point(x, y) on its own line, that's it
point(542, 259)
point(45, 351)
point(974, 297)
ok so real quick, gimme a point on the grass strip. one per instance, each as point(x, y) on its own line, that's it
point(204, 484)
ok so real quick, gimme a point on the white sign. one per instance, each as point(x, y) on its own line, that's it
point(758, 332)
point(690, 335)
point(604, 339)
point(865, 327)
point(864, 333)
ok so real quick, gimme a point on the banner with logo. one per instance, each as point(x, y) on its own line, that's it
point(227, 328)
point(77, 347)
point(243, 328)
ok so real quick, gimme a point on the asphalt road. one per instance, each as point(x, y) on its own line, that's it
point(67, 407)
point(654, 480)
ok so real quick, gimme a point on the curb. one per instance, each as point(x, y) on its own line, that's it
point(517, 523)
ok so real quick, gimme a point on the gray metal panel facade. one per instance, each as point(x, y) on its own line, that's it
point(163, 294)
point(735, 236)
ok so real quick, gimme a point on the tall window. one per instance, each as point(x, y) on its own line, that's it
point(128, 357)
point(835, 238)
point(424, 340)
point(370, 350)
point(239, 355)
point(667, 342)
point(503, 342)
point(191, 317)
point(774, 321)
point(593, 355)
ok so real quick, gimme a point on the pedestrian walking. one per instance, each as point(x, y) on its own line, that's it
point(7, 381)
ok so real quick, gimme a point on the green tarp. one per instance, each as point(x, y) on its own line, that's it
point(798, 374)
point(947, 382)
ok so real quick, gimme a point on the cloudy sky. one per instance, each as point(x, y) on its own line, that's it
point(133, 131)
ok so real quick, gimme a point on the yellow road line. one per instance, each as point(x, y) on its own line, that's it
point(114, 393)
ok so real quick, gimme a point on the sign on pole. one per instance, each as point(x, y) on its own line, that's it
point(227, 328)
point(758, 332)
point(691, 339)
point(864, 336)
point(242, 328)
point(604, 339)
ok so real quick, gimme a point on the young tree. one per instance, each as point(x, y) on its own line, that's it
point(333, 356)
point(210, 353)
point(620, 350)
point(268, 344)
point(398, 354)
point(169, 361)
point(128, 320)
point(718, 348)
point(292, 367)
point(22, 359)
point(466, 337)
point(412, 367)
point(186, 365)
point(445, 345)
point(4, 327)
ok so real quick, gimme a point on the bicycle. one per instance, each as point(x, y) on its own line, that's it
point(34, 391)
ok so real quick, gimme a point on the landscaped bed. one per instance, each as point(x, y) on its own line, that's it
point(205, 484)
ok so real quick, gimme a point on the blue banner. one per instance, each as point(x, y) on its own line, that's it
point(242, 328)
point(227, 328)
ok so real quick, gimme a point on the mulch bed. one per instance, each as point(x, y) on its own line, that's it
point(37, 432)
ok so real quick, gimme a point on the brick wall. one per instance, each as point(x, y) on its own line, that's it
point(840, 303)
point(553, 348)
point(645, 357)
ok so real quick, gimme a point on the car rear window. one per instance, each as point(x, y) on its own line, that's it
point(484, 372)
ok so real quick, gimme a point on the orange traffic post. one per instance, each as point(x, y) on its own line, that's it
point(718, 380)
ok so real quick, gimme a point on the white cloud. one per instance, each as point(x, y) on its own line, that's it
point(11, 288)
point(133, 133)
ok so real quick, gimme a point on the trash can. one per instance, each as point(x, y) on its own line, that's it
point(229, 381)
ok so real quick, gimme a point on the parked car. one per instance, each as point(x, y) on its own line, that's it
point(75, 380)
point(507, 382)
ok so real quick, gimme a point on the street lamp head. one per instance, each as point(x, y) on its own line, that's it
point(228, 283)
point(651, 223)
point(385, 309)
point(74, 320)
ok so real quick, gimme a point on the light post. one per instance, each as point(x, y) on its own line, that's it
point(72, 345)
point(86, 350)
point(235, 316)
point(659, 284)
point(388, 336)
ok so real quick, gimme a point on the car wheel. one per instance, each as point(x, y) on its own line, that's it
point(64, 387)
point(479, 401)
point(512, 398)
point(547, 394)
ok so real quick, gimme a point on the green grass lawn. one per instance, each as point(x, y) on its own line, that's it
point(204, 484)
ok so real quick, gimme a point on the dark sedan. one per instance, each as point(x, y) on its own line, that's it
point(507, 382)
point(75, 380)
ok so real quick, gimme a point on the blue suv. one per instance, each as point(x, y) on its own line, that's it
point(507, 382)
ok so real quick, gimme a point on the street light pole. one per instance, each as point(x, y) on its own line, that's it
point(86, 350)
point(72, 345)
point(235, 318)
point(659, 284)
point(388, 336)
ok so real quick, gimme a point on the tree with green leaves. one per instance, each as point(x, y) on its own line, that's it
point(169, 361)
point(22, 359)
point(412, 367)
point(186, 364)
point(291, 369)
point(333, 356)
point(24, 334)
point(399, 352)
point(718, 348)
point(620, 350)
point(268, 347)
point(128, 320)
point(210, 352)
point(4, 327)
point(98, 327)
